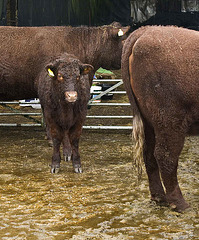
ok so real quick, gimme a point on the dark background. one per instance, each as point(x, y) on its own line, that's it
point(62, 12)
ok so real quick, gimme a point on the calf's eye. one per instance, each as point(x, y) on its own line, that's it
point(60, 77)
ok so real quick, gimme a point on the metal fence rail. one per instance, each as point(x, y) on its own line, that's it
point(39, 122)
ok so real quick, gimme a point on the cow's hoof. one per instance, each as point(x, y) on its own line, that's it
point(67, 158)
point(78, 169)
point(179, 208)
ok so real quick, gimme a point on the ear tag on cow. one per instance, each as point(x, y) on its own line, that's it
point(120, 33)
point(86, 70)
point(50, 73)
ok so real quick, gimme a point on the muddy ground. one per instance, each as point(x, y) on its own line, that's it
point(106, 201)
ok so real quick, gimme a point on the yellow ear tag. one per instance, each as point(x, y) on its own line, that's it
point(50, 73)
point(86, 70)
point(120, 33)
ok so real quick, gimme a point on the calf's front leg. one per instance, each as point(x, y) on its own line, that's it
point(74, 136)
point(67, 149)
point(57, 137)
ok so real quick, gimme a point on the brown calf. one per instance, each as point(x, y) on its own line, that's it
point(64, 90)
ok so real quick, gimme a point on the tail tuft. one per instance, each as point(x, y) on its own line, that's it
point(138, 138)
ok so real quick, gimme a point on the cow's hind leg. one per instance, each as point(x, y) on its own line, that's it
point(48, 136)
point(155, 185)
point(169, 144)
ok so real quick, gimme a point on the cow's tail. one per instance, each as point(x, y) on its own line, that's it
point(138, 138)
point(138, 126)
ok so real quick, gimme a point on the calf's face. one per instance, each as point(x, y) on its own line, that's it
point(68, 78)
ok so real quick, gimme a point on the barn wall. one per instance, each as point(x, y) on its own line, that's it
point(142, 10)
point(3, 4)
point(42, 12)
point(53, 12)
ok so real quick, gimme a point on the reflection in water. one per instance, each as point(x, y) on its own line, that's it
point(105, 202)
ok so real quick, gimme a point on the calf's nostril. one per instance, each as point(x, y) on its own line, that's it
point(71, 96)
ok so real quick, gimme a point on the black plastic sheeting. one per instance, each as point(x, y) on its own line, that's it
point(56, 12)
point(119, 11)
point(3, 4)
point(182, 19)
point(42, 12)
point(53, 12)
point(182, 13)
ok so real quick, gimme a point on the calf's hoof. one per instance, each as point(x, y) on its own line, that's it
point(50, 143)
point(55, 168)
point(67, 158)
point(77, 168)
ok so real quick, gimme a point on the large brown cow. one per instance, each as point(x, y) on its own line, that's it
point(160, 69)
point(64, 96)
point(24, 49)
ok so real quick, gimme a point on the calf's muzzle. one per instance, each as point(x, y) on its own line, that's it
point(71, 96)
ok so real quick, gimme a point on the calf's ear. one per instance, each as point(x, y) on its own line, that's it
point(51, 69)
point(86, 68)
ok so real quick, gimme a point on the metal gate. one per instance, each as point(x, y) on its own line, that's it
point(33, 117)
